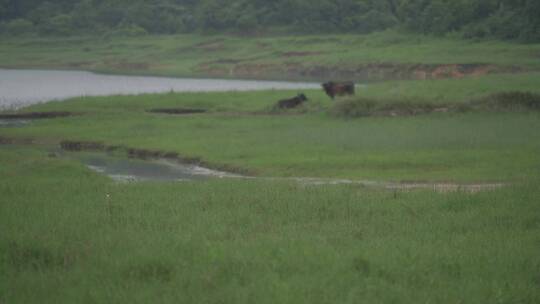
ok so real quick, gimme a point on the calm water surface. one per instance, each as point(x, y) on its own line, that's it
point(20, 88)
point(129, 169)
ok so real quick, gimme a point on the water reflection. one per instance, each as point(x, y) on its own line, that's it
point(24, 87)
point(129, 169)
point(13, 123)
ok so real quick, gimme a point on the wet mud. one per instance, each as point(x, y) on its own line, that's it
point(155, 165)
point(13, 123)
point(440, 187)
point(362, 72)
point(135, 170)
point(177, 111)
point(36, 115)
point(16, 141)
point(148, 154)
point(198, 168)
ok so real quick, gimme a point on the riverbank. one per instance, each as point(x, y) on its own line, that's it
point(240, 131)
point(374, 57)
point(70, 233)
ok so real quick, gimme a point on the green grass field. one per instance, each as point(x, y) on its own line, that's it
point(259, 57)
point(239, 131)
point(72, 235)
point(69, 234)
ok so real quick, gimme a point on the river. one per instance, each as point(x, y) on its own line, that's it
point(19, 88)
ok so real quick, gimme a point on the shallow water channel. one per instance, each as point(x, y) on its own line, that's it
point(124, 169)
point(162, 170)
point(20, 88)
point(13, 123)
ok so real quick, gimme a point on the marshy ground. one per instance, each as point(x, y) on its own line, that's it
point(433, 206)
point(453, 216)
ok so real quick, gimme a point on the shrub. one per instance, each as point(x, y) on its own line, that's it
point(18, 27)
point(504, 101)
point(509, 101)
point(363, 106)
point(130, 30)
point(58, 25)
point(354, 107)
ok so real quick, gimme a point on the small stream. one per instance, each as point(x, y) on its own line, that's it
point(162, 170)
point(124, 169)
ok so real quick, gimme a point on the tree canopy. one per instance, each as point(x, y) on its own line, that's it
point(501, 19)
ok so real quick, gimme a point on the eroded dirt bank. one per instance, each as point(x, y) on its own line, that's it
point(37, 115)
point(147, 154)
point(362, 72)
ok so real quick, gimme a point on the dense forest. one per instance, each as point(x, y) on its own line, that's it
point(499, 19)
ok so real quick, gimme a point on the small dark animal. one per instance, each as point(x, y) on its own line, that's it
point(292, 102)
point(334, 89)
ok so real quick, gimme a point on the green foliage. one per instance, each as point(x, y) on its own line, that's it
point(18, 27)
point(500, 19)
point(513, 100)
point(59, 25)
point(130, 30)
point(188, 55)
point(354, 107)
point(364, 106)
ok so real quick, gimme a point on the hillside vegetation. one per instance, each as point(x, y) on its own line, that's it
point(501, 19)
point(377, 56)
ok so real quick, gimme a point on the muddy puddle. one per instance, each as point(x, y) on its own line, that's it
point(123, 169)
point(178, 111)
point(35, 115)
point(13, 120)
point(138, 165)
point(441, 187)
point(137, 170)
point(13, 123)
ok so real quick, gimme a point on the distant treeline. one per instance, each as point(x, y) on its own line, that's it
point(500, 19)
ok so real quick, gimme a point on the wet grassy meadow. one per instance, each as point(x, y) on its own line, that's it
point(69, 234)
point(241, 131)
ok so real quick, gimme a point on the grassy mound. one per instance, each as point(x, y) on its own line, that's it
point(366, 106)
point(513, 101)
point(369, 106)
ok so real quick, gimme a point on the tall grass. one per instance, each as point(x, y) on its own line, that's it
point(503, 101)
point(70, 235)
point(235, 132)
point(184, 55)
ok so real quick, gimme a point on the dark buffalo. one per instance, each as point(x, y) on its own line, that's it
point(292, 102)
point(334, 89)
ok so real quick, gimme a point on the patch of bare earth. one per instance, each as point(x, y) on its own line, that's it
point(177, 111)
point(37, 115)
point(211, 46)
point(129, 66)
point(359, 72)
point(406, 186)
point(300, 54)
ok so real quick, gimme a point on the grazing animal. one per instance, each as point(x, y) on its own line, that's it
point(292, 102)
point(334, 89)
